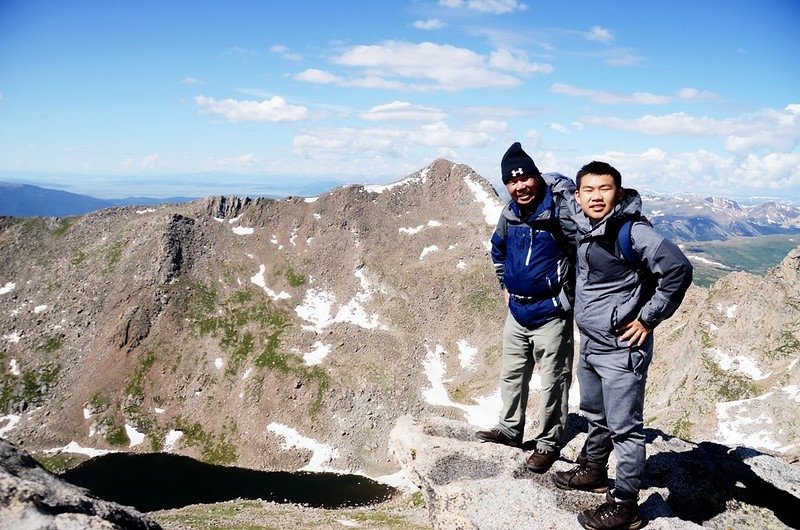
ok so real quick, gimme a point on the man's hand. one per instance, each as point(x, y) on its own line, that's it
point(633, 333)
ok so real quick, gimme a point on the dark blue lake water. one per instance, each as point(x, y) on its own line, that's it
point(161, 481)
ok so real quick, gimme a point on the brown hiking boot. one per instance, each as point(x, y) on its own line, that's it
point(541, 460)
point(612, 515)
point(498, 437)
point(586, 476)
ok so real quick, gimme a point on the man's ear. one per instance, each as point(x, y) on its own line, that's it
point(620, 193)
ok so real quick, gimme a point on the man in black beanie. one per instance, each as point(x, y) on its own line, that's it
point(532, 255)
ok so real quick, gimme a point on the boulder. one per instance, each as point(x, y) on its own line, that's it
point(32, 498)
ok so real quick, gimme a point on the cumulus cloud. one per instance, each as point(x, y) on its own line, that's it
point(403, 111)
point(610, 98)
point(427, 66)
point(636, 98)
point(388, 141)
point(596, 33)
point(706, 172)
point(768, 129)
point(275, 109)
point(430, 24)
point(322, 77)
point(496, 7)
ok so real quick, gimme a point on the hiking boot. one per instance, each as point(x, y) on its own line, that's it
point(613, 514)
point(541, 460)
point(586, 476)
point(498, 437)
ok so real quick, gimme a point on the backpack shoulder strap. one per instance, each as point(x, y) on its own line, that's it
point(624, 241)
point(625, 245)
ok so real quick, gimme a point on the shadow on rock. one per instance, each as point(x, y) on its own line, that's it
point(703, 481)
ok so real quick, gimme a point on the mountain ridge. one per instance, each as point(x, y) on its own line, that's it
point(681, 217)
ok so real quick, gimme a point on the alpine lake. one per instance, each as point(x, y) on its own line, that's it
point(162, 481)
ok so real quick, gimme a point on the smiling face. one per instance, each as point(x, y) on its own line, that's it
point(523, 190)
point(597, 196)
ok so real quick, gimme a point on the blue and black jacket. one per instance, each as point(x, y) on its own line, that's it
point(531, 256)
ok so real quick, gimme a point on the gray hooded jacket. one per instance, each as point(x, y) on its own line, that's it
point(610, 292)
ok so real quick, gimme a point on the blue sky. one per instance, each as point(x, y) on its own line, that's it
point(155, 98)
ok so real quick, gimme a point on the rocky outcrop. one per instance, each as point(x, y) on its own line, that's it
point(472, 485)
point(32, 498)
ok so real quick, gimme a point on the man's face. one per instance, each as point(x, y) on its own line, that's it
point(523, 189)
point(597, 195)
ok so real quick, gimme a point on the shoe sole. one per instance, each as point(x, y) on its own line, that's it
point(498, 442)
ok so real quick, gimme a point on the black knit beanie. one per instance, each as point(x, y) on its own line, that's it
point(516, 162)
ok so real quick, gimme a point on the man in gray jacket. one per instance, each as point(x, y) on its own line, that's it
point(617, 306)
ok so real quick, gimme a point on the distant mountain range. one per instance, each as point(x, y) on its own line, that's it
point(682, 217)
point(25, 200)
point(687, 217)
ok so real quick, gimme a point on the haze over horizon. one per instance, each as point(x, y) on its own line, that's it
point(115, 99)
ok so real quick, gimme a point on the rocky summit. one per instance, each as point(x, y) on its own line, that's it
point(474, 485)
point(292, 334)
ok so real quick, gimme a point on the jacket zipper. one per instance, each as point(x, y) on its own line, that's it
point(530, 248)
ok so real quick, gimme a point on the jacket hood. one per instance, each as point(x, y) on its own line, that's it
point(629, 206)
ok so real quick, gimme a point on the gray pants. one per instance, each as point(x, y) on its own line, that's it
point(550, 348)
point(612, 400)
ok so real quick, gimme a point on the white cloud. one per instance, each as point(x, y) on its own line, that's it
point(705, 172)
point(285, 53)
point(610, 98)
point(496, 7)
point(441, 135)
point(491, 126)
point(430, 24)
point(403, 111)
point(693, 94)
point(517, 62)
point(269, 110)
point(559, 128)
point(768, 129)
point(313, 75)
point(191, 81)
point(596, 33)
point(343, 142)
point(322, 77)
point(437, 66)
